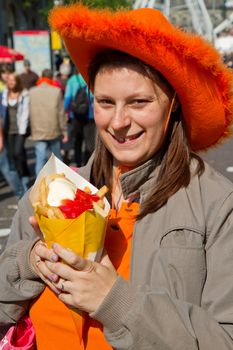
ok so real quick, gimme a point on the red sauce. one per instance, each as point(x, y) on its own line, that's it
point(83, 201)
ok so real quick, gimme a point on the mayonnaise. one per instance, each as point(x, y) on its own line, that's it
point(59, 189)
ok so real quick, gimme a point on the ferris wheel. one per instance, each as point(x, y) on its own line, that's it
point(200, 17)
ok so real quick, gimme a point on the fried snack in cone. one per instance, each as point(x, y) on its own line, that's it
point(83, 234)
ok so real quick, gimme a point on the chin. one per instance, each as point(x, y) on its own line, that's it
point(129, 162)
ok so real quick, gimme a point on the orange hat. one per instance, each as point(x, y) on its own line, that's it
point(190, 64)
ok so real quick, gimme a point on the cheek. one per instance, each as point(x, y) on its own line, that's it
point(154, 119)
point(97, 116)
point(101, 117)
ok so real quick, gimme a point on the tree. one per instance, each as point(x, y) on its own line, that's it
point(45, 6)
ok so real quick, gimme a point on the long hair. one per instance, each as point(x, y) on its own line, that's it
point(18, 82)
point(175, 154)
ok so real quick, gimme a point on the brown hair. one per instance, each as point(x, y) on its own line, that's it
point(18, 85)
point(175, 154)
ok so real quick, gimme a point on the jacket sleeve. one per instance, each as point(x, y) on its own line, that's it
point(24, 117)
point(151, 319)
point(68, 96)
point(61, 115)
point(18, 283)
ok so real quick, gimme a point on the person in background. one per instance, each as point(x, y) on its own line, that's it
point(47, 119)
point(63, 75)
point(15, 117)
point(11, 176)
point(62, 78)
point(28, 77)
point(165, 279)
point(83, 132)
point(5, 70)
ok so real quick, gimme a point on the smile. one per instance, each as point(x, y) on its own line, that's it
point(127, 139)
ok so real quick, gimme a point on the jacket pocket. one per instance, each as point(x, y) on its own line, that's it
point(182, 264)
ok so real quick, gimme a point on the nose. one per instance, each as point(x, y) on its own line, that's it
point(120, 118)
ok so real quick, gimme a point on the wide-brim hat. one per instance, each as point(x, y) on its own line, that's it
point(190, 64)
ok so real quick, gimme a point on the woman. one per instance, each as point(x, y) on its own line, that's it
point(15, 114)
point(165, 280)
point(11, 176)
point(5, 70)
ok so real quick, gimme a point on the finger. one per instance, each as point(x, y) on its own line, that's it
point(63, 285)
point(46, 276)
point(66, 298)
point(106, 261)
point(44, 252)
point(33, 221)
point(61, 270)
point(73, 259)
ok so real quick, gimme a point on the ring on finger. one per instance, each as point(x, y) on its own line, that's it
point(63, 286)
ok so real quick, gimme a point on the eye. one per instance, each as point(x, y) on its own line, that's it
point(139, 102)
point(105, 102)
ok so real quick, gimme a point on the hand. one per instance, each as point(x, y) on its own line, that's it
point(1, 145)
point(84, 284)
point(65, 139)
point(38, 255)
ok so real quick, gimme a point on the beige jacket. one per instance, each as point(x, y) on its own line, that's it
point(47, 116)
point(180, 293)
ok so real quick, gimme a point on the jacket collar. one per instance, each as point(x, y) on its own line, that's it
point(134, 181)
point(140, 178)
point(5, 96)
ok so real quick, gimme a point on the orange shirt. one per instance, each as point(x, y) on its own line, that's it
point(52, 320)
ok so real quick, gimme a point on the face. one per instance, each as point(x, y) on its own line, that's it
point(5, 76)
point(26, 68)
point(11, 82)
point(130, 114)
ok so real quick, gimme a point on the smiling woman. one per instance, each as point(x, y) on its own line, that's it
point(137, 117)
point(165, 279)
point(129, 115)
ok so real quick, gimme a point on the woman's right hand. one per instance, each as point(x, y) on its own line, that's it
point(39, 254)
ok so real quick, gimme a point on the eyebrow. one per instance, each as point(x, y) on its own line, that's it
point(132, 96)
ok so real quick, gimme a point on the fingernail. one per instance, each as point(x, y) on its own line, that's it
point(53, 277)
point(54, 258)
point(55, 246)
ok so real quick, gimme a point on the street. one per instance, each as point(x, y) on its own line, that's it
point(221, 158)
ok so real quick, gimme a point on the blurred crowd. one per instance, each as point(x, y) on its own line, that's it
point(54, 110)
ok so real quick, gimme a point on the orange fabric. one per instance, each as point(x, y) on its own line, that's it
point(46, 81)
point(191, 65)
point(52, 320)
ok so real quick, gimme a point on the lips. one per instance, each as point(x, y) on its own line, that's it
point(121, 139)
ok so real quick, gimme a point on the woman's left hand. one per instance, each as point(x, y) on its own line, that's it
point(83, 283)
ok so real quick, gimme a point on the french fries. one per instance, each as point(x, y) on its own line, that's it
point(101, 193)
point(42, 207)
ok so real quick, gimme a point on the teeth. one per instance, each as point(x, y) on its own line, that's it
point(124, 139)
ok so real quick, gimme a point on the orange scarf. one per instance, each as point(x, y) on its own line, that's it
point(44, 80)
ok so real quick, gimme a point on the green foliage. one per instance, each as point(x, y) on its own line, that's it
point(113, 4)
point(44, 10)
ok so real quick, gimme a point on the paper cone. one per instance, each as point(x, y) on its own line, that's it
point(84, 235)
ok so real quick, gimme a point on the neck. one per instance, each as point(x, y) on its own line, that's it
point(117, 195)
point(13, 92)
